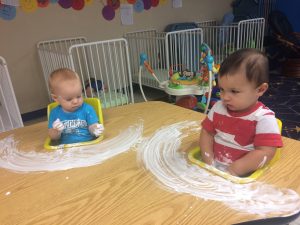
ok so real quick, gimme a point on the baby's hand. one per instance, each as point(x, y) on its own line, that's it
point(58, 125)
point(97, 129)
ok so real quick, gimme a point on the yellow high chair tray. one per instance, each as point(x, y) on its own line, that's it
point(95, 102)
point(195, 157)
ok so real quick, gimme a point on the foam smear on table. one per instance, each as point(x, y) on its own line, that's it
point(36, 161)
point(161, 155)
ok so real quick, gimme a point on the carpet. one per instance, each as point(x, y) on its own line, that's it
point(283, 97)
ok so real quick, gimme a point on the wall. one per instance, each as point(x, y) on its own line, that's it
point(18, 37)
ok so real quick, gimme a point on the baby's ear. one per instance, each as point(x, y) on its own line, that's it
point(262, 88)
point(54, 97)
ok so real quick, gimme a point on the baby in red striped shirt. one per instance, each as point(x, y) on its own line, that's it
point(240, 133)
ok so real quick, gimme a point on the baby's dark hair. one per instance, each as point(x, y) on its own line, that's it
point(251, 61)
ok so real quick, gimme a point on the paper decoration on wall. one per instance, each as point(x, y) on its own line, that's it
point(28, 5)
point(88, 2)
point(78, 4)
point(7, 12)
point(108, 12)
point(8, 7)
point(147, 4)
point(65, 3)
point(42, 3)
point(10, 2)
point(138, 6)
point(177, 3)
point(154, 3)
point(115, 4)
point(126, 14)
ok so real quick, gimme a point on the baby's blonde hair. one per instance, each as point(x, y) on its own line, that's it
point(61, 75)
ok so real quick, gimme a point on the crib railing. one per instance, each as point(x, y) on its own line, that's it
point(102, 66)
point(152, 43)
point(165, 51)
point(107, 61)
point(225, 39)
point(183, 49)
point(53, 54)
point(10, 117)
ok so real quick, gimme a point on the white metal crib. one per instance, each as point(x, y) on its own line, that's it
point(10, 117)
point(166, 51)
point(103, 66)
point(225, 39)
point(54, 54)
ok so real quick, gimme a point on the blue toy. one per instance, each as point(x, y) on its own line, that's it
point(93, 85)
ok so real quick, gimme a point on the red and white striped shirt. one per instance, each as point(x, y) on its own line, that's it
point(235, 134)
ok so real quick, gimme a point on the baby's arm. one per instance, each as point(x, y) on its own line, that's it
point(252, 161)
point(206, 146)
point(96, 129)
point(56, 130)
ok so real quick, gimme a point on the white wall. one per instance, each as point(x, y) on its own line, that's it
point(18, 37)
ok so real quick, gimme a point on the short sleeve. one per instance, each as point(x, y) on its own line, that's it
point(91, 116)
point(207, 123)
point(267, 132)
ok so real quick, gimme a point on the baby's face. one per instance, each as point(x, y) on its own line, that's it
point(69, 95)
point(237, 93)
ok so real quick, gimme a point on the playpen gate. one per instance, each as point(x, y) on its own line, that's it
point(225, 39)
point(10, 117)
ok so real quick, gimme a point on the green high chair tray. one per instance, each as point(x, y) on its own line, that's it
point(95, 102)
point(194, 156)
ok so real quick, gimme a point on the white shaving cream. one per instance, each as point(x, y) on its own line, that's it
point(263, 162)
point(161, 155)
point(33, 161)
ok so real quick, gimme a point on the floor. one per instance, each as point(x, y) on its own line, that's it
point(283, 97)
point(151, 94)
point(30, 122)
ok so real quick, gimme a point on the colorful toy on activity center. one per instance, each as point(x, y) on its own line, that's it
point(179, 79)
point(208, 61)
point(202, 100)
point(186, 82)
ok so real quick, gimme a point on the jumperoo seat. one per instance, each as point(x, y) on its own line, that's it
point(195, 157)
point(95, 102)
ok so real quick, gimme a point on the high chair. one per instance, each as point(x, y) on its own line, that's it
point(95, 102)
point(195, 157)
